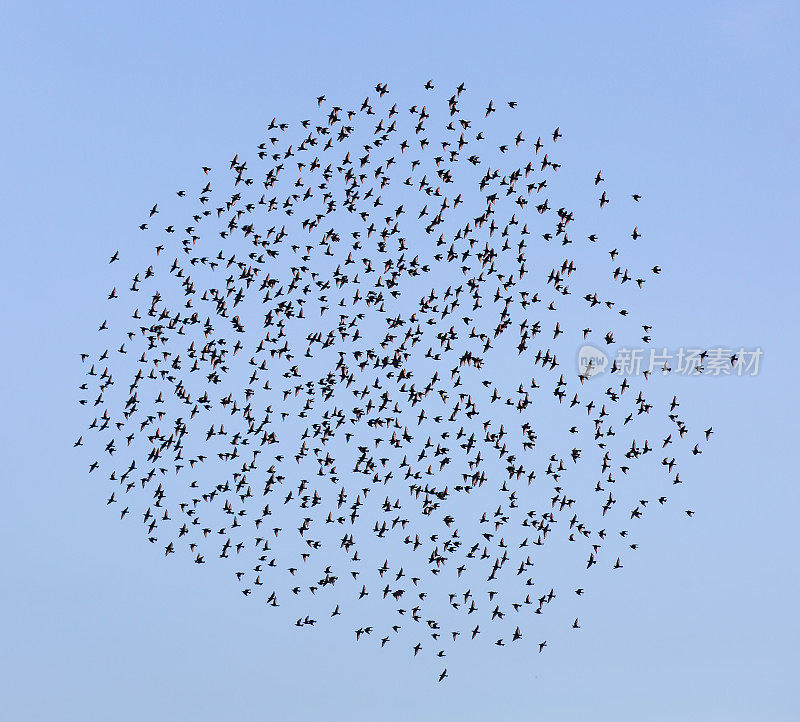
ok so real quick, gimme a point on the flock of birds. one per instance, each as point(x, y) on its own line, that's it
point(348, 373)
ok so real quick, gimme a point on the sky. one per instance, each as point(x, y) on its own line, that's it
point(109, 107)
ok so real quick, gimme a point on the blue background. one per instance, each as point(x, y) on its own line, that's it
point(108, 107)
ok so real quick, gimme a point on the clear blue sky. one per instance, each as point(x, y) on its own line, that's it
point(107, 109)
